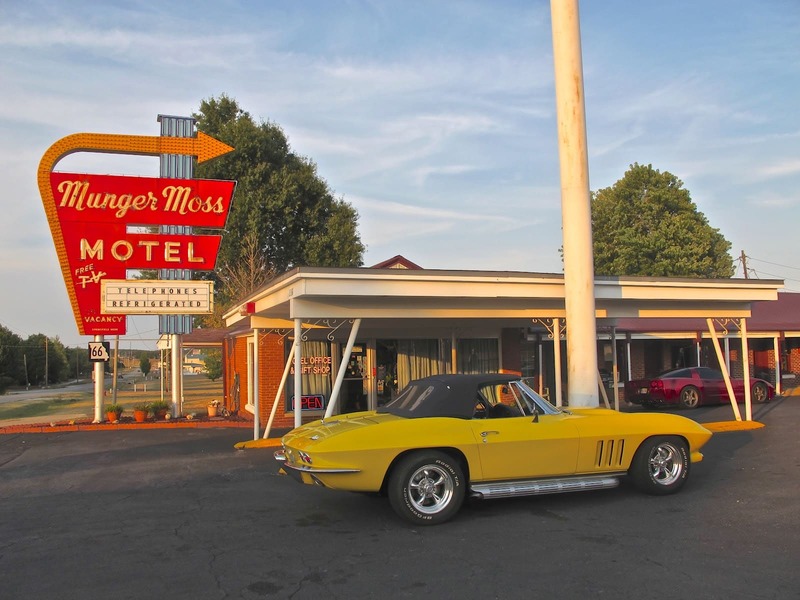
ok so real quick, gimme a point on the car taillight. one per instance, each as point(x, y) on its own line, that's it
point(657, 385)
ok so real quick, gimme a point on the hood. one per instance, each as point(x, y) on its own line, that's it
point(326, 429)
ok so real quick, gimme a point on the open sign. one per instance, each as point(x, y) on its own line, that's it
point(310, 402)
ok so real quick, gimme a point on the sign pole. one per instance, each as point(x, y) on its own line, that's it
point(177, 374)
point(99, 386)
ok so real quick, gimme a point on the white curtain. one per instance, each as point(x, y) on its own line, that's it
point(317, 378)
point(416, 359)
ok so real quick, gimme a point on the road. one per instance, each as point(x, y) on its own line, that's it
point(41, 393)
point(182, 514)
point(45, 393)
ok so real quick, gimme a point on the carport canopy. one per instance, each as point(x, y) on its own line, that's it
point(442, 301)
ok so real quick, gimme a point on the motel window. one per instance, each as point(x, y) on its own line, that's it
point(478, 356)
point(316, 363)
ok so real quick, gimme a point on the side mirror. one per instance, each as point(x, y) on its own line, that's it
point(535, 415)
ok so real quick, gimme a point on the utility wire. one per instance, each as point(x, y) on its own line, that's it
point(759, 273)
point(773, 264)
point(773, 276)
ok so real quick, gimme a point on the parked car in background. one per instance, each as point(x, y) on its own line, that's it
point(692, 387)
point(447, 437)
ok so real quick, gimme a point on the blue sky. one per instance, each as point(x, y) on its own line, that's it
point(435, 120)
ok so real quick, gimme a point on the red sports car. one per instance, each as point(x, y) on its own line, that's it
point(692, 387)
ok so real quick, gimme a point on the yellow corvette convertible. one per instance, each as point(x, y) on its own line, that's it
point(489, 436)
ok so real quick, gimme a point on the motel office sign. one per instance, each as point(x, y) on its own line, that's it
point(103, 226)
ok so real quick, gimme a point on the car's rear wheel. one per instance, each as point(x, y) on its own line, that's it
point(427, 488)
point(661, 465)
point(690, 397)
point(760, 393)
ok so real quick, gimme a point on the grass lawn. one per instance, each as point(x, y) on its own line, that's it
point(197, 391)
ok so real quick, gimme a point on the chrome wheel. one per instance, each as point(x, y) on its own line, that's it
point(760, 393)
point(661, 465)
point(690, 397)
point(427, 487)
point(666, 464)
point(430, 489)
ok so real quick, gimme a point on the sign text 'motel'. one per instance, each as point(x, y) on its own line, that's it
point(90, 217)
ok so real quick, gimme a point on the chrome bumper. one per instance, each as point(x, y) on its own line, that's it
point(280, 456)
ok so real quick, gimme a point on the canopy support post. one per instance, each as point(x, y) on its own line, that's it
point(337, 386)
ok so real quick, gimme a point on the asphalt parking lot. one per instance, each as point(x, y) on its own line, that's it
point(182, 514)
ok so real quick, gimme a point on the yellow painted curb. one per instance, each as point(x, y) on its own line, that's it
point(262, 443)
point(721, 426)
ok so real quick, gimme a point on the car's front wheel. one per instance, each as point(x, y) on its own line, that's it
point(760, 392)
point(427, 488)
point(660, 465)
point(690, 397)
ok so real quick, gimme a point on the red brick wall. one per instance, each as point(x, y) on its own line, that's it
point(271, 359)
point(637, 361)
point(235, 362)
point(511, 348)
point(793, 358)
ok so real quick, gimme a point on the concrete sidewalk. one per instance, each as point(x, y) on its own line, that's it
point(80, 422)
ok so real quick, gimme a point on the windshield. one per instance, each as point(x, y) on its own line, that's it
point(528, 395)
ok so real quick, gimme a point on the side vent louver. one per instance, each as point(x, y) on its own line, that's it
point(609, 453)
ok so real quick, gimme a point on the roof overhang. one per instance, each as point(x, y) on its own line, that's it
point(458, 298)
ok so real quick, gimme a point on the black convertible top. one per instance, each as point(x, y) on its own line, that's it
point(443, 395)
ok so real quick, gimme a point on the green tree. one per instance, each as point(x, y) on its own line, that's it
point(78, 364)
point(11, 365)
point(213, 362)
point(144, 363)
point(45, 359)
point(647, 224)
point(283, 214)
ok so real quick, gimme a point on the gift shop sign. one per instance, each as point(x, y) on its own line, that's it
point(91, 218)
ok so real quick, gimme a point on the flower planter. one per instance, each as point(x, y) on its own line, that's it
point(160, 414)
point(212, 411)
point(140, 416)
point(112, 417)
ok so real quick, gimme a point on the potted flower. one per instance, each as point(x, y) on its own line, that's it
point(140, 412)
point(113, 412)
point(160, 408)
point(213, 406)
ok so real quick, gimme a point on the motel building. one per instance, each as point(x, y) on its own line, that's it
point(366, 332)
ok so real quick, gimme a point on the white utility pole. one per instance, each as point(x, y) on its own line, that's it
point(575, 206)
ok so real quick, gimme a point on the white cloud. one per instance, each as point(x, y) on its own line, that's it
point(781, 169)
